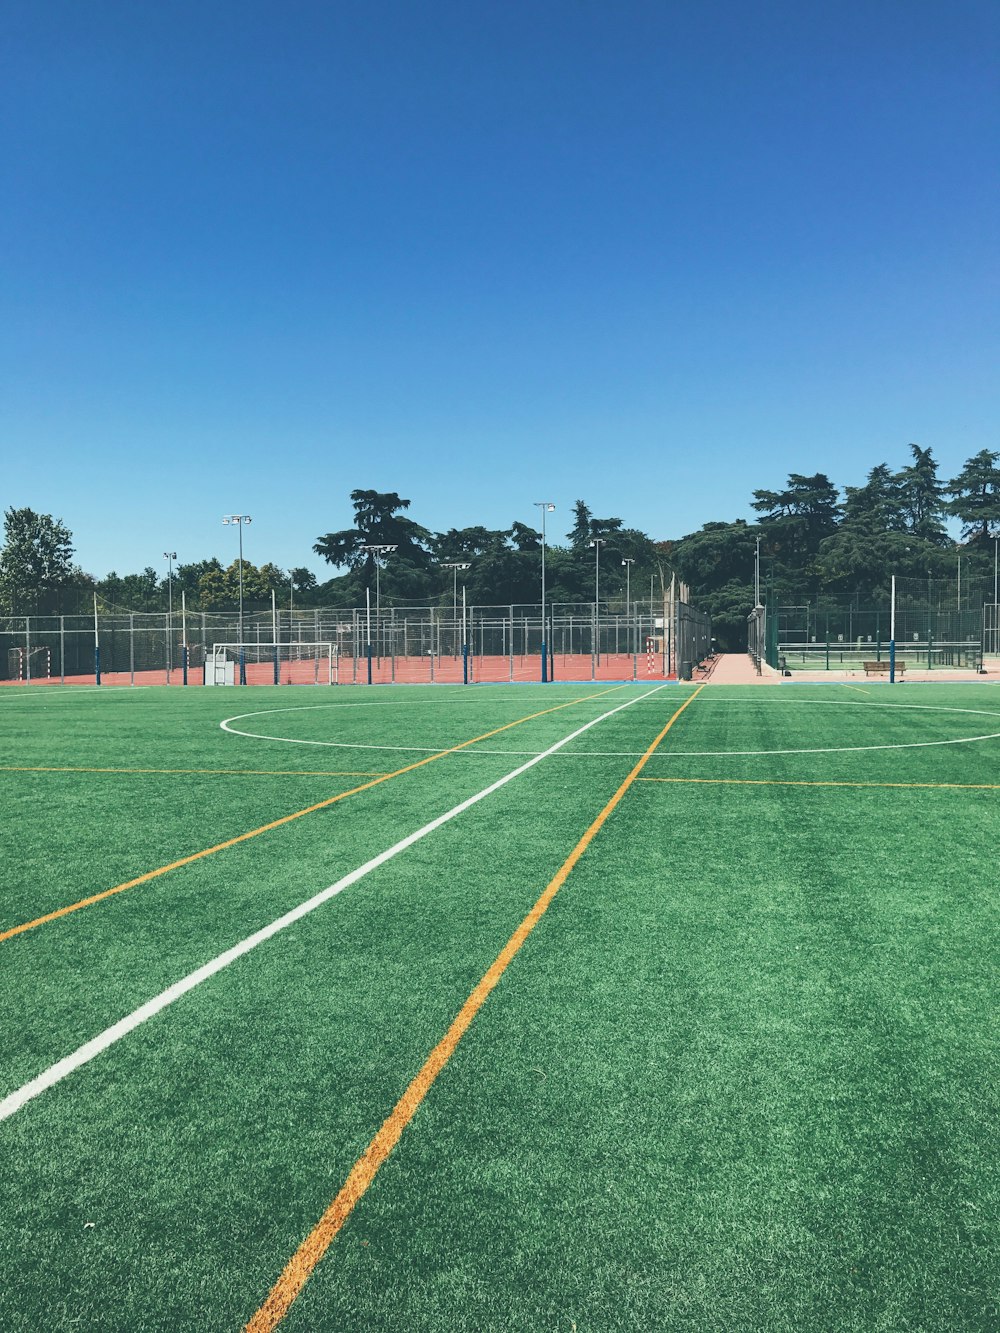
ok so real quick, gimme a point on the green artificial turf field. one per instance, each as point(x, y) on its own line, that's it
point(741, 1074)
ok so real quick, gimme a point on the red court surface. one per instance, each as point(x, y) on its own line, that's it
point(405, 671)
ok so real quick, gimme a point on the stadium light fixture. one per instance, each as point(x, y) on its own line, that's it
point(547, 507)
point(627, 564)
point(239, 520)
point(376, 549)
point(455, 566)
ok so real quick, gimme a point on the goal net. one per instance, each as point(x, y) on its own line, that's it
point(28, 663)
point(272, 664)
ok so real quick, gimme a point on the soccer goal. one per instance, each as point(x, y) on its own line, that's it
point(28, 663)
point(272, 664)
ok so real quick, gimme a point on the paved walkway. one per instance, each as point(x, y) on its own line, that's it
point(738, 669)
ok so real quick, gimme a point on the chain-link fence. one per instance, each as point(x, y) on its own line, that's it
point(478, 643)
point(933, 623)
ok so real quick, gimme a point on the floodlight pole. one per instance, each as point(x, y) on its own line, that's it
point(628, 562)
point(376, 549)
point(455, 566)
point(546, 506)
point(892, 633)
point(929, 623)
point(465, 643)
point(184, 638)
point(170, 557)
point(597, 543)
point(239, 520)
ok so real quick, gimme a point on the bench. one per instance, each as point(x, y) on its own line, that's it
point(882, 668)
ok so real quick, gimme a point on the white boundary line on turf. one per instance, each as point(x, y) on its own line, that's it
point(90, 1049)
point(629, 754)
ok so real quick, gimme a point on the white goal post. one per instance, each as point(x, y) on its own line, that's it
point(272, 664)
point(29, 663)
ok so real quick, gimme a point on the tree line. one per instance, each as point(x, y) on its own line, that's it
point(810, 543)
point(497, 566)
point(820, 548)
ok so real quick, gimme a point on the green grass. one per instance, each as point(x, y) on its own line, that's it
point(743, 1075)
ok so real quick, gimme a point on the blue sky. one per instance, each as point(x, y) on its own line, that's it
point(651, 256)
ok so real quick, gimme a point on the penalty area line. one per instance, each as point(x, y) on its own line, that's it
point(13, 1103)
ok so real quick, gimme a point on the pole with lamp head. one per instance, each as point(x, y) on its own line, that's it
point(455, 566)
point(547, 507)
point(170, 557)
point(375, 550)
point(238, 520)
point(597, 543)
point(628, 562)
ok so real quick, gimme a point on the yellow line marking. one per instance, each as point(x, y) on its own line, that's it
point(856, 687)
point(795, 782)
point(236, 772)
point(285, 819)
point(300, 1267)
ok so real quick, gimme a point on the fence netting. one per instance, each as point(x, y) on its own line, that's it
point(390, 644)
point(935, 623)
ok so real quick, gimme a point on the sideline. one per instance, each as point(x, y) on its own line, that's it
point(87, 1052)
point(299, 1268)
point(821, 782)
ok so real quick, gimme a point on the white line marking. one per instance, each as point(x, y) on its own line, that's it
point(628, 754)
point(83, 1054)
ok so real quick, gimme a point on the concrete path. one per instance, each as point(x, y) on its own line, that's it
point(738, 669)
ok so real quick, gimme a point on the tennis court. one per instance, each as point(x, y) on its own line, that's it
point(572, 1007)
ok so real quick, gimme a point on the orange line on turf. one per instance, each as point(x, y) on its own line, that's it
point(804, 782)
point(300, 1267)
point(285, 819)
point(211, 772)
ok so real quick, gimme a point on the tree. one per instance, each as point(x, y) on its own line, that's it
point(140, 592)
point(976, 496)
point(799, 517)
point(269, 578)
point(717, 555)
point(187, 579)
point(525, 538)
point(921, 496)
point(467, 543)
point(878, 504)
point(302, 580)
point(36, 561)
point(579, 534)
point(213, 588)
point(378, 522)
